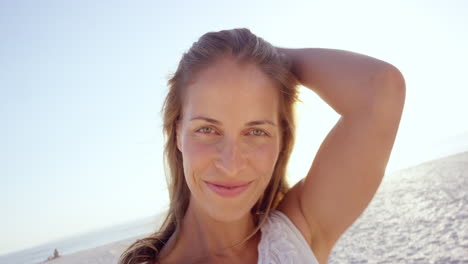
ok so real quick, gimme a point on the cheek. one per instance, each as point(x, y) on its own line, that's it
point(196, 158)
point(263, 158)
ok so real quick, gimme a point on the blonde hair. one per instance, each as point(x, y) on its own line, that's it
point(245, 47)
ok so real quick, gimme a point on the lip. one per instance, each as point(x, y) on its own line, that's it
point(228, 189)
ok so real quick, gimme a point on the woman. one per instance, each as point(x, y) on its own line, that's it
point(229, 126)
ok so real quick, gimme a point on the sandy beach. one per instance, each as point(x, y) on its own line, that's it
point(419, 215)
point(105, 254)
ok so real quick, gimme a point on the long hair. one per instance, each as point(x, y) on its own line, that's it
point(243, 46)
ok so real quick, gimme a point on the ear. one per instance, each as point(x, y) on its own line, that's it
point(177, 128)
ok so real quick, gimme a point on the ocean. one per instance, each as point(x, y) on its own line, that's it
point(418, 215)
point(85, 241)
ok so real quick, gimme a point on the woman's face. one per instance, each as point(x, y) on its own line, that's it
point(229, 137)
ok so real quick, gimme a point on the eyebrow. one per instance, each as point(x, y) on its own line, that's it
point(251, 123)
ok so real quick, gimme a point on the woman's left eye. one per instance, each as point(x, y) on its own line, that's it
point(258, 132)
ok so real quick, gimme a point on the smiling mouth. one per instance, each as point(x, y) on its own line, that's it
point(228, 190)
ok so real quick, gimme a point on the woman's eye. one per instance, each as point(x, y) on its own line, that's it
point(258, 132)
point(209, 130)
point(205, 130)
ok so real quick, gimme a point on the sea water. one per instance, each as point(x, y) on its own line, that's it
point(84, 241)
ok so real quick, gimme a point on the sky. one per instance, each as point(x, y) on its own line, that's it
point(82, 83)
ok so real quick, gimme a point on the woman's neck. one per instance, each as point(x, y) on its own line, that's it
point(201, 236)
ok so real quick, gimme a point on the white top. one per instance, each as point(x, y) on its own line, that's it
point(283, 243)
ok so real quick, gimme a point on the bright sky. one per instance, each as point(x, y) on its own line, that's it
point(81, 86)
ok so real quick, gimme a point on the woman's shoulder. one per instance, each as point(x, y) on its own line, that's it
point(289, 207)
point(278, 222)
point(282, 242)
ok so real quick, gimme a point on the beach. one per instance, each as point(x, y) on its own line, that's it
point(106, 254)
point(418, 215)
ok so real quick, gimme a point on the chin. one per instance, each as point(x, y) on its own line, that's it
point(225, 210)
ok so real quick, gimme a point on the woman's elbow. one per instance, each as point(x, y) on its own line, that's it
point(391, 83)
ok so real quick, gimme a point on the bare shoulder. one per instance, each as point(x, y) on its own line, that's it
point(290, 206)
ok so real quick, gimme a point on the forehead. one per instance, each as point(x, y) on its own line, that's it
point(229, 90)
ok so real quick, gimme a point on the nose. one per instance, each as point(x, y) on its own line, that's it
point(231, 159)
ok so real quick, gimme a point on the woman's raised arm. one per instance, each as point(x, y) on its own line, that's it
point(349, 82)
point(369, 95)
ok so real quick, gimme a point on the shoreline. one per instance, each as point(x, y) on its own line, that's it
point(416, 195)
point(105, 254)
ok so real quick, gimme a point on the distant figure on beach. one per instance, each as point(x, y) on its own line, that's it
point(229, 128)
point(56, 255)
